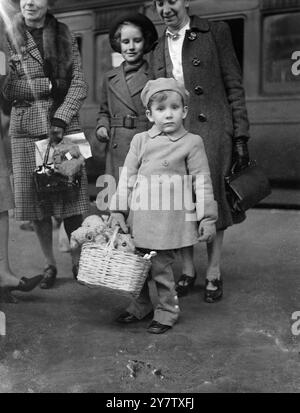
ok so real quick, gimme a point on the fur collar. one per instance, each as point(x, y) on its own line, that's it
point(57, 45)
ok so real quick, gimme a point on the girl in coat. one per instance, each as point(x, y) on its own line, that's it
point(121, 113)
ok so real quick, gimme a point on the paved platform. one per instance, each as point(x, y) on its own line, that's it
point(282, 198)
point(66, 340)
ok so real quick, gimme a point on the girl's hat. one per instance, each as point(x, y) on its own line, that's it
point(140, 20)
point(160, 85)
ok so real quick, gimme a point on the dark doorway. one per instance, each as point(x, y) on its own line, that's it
point(237, 33)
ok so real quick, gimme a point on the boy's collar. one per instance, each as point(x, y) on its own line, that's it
point(154, 132)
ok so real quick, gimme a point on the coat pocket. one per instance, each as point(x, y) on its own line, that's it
point(30, 120)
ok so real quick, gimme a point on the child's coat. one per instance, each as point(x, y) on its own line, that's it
point(157, 157)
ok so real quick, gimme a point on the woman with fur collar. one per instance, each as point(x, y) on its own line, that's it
point(46, 88)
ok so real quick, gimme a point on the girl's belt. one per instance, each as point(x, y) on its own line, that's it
point(128, 121)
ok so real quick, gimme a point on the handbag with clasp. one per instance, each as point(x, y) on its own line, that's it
point(47, 180)
point(247, 187)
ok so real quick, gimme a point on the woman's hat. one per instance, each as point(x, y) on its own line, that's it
point(160, 85)
point(140, 20)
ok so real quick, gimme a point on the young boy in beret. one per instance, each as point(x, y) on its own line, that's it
point(165, 191)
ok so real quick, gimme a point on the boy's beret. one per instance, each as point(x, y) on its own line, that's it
point(163, 84)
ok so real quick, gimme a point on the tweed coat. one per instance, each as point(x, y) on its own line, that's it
point(217, 110)
point(28, 84)
point(116, 103)
point(166, 185)
point(6, 197)
point(27, 88)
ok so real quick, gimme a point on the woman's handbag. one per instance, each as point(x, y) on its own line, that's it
point(47, 180)
point(247, 187)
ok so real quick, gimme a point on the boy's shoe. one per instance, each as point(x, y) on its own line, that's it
point(184, 285)
point(211, 296)
point(157, 328)
point(126, 318)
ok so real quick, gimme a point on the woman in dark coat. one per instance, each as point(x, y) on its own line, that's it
point(200, 54)
point(122, 114)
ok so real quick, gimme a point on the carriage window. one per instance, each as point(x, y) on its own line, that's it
point(237, 33)
point(281, 38)
point(79, 43)
point(236, 26)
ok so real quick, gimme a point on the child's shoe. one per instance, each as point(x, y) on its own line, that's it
point(126, 318)
point(157, 328)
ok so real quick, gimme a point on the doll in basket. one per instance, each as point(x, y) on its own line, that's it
point(165, 191)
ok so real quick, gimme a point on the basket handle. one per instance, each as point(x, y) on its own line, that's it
point(110, 244)
point(46, 157)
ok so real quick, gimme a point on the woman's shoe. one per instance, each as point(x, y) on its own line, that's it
point(211, 296)
point(184, 285)
point(49, 277)
point(7, 297)
point(27, 284)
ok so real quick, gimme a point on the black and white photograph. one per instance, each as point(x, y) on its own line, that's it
point(150, 199)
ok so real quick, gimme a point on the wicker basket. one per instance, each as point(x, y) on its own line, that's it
point(105, 266)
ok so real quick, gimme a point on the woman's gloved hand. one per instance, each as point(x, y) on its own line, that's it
point(117, 218)
point(240, 154)
point(102, 134)
point(56, 135)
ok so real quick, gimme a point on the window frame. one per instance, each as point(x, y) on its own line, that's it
point(269, 88)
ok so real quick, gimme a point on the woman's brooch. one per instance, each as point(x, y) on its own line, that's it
point(192, 36)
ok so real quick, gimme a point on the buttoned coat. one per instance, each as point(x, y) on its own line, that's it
point(116, 103)
point(166, 183)
point(28, 84)
point(217, 110)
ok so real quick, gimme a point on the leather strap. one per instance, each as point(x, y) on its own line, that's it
point(128, 121)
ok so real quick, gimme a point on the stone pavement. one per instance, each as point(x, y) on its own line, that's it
point(66, 340)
